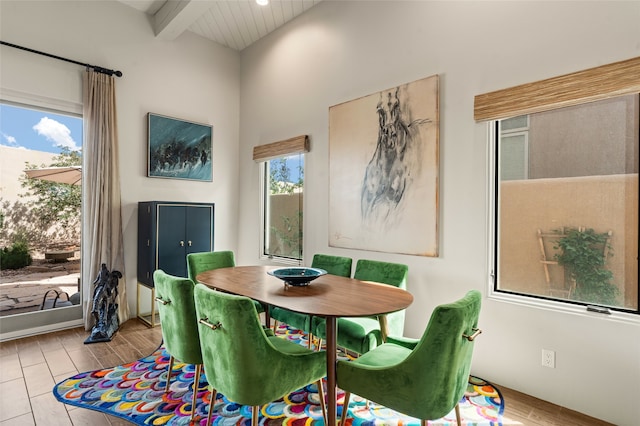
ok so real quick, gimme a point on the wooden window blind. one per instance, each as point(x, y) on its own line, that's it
point(606, 81)
point(299, 144)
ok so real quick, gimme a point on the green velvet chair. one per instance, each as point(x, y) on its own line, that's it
point(209, 260)
point(179, 325)
point(245, 364)
point(335, 265)
point(361, 334)
point(423, 378)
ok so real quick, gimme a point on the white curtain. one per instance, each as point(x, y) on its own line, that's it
point(102, 236)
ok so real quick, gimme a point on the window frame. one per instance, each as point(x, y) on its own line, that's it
point(265, 220)
point(529, 300)
point(29, 323)
point(601, 82)
point(263, 154)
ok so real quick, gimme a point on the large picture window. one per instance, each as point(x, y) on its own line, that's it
point(564, 188)
point(567, 204)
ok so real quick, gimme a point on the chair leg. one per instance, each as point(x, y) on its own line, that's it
point(212, 403)
point(458, 419)
point(254, 415)
point(345, 407)
point(171, 359)
point(196, 382)
point(275, 325)
point(322, 402)
point(310, 336)
point(424, 422)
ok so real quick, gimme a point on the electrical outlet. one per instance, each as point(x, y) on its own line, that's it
point(548, 358)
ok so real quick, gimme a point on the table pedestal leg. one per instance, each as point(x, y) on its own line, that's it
point(331, 370)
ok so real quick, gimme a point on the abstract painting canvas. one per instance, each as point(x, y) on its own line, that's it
point(179, 149)
point(383, 168)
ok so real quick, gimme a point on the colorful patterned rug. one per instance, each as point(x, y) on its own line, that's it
point(135, 392)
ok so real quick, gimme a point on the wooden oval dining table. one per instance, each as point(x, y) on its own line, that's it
point(328, 296)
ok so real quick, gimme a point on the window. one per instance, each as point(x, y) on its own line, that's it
point(564, 171)
point(41, 212)
point(514, 148)
point(567, 204)
point(282, 191)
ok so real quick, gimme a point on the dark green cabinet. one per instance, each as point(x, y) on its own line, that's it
point(167, 232)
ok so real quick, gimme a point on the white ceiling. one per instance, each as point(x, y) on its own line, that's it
point(232, 23)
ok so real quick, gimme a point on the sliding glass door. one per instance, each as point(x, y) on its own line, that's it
point(40, 219)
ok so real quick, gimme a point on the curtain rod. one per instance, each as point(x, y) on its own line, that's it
point(93, 67)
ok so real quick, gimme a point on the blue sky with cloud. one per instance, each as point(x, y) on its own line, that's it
point(39, 130)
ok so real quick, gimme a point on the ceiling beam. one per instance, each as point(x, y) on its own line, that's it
point(175, 16)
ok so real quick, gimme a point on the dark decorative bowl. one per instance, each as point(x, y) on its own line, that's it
point(297, 276)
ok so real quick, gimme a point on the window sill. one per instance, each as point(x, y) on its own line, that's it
point(275, 260)
point(564, 308)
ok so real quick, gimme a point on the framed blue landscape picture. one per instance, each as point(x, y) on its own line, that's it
point(179, 149)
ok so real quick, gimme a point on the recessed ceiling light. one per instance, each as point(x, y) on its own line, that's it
point(262, 2)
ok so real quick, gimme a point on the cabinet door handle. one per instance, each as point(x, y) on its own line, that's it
point(189, 242)
point(181, 243)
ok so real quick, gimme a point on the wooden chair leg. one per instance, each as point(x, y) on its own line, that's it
point(196, 382)
point(212, 404)
point(458, 419)
point(322, 402)
point(345, 407)
point(424, 422)
point(254, 415)
point(310, 335)
point(275, 325)
point(169, 370)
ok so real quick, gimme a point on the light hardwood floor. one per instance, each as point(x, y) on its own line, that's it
point(30, 367)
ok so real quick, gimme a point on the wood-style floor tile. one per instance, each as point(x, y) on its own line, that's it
point(59, 362)
point(8, 348)
point(105, 355)
point(50, 342)
point(29, 352)
point(83, 360)
point(24, 420)
point(38, 379)
point(48, 411)
point(10, 367)
point(14, 400)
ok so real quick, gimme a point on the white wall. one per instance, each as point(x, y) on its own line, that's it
point(339, 51)
point(335, 52)
point(189, 78)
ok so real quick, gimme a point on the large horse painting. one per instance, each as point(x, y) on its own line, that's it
point(383, 161)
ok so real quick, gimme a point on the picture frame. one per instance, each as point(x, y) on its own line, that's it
point(384, 170)
point(179, 149)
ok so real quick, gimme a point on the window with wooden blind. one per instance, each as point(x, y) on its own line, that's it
point(282, 198)
point(565, 182)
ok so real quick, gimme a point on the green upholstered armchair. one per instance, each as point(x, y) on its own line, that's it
point(179, 325)
point(361, 334)
point(335, 265)
point(423, 378)
point(242, 362)
point(209, 260)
